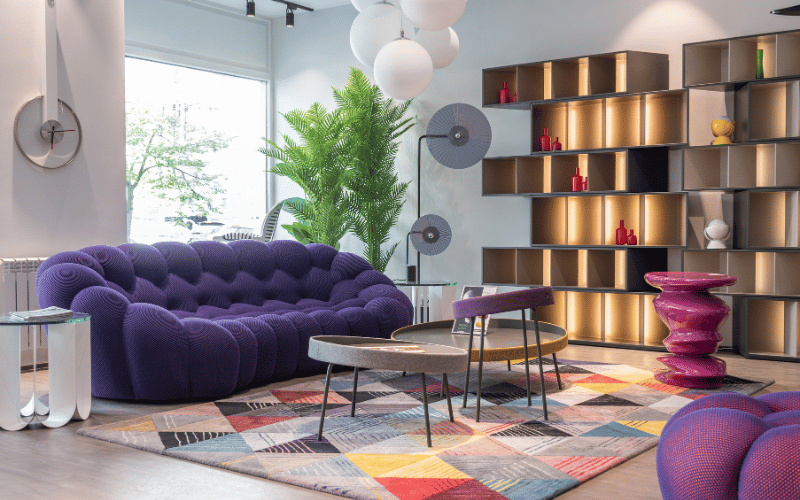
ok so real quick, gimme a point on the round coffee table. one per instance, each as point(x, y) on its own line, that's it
point(503, 342)
point(386, 354)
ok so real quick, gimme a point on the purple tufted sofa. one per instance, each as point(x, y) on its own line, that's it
point(176, 321)
point(732, 446)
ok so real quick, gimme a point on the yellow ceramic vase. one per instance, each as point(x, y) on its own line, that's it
point(722, 128)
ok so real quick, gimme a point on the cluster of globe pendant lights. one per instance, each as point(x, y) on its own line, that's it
point(383, 36)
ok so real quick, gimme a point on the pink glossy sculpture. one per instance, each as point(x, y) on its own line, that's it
point(693, 317)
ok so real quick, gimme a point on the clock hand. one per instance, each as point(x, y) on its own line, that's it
point(52, 136)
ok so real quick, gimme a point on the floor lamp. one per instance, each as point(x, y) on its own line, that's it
point(458, 136)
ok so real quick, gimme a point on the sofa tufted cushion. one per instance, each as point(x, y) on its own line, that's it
point(732, 446)
point(172, 321)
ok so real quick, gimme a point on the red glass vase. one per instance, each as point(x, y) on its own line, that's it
point(632, 238)
point(544, 141)
point(586, 183)
point(556, 145)
point(622, 233)
point(577, 180)
point(505, 94)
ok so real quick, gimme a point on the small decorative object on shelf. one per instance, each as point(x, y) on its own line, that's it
point(505, 94)
point(514, 97)
point(632, 238)
point(544, 141)
point(760, 63)
point(577, 180)
point(622, 233)
point(556, 145)
point(722, 128)
point(586, 183)
point(716, 231)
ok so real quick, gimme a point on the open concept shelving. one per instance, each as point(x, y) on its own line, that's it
point(621, 126)
point(617, 124)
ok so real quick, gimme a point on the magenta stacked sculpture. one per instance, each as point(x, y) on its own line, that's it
point(693, 317)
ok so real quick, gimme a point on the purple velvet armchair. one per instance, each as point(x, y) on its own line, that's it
point(176, 321)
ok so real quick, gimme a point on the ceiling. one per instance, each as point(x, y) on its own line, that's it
point(269, 8)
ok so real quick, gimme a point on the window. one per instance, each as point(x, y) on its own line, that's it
point(193, 166)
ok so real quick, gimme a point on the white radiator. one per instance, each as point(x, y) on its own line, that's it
point(18, 293)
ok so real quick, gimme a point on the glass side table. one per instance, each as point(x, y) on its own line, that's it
point(69, 365)
point(427, 306)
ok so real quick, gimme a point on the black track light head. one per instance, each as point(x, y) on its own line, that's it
point(787, 11)
point(289, 17)
point(251, 8)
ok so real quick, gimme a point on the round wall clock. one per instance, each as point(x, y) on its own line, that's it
point(51, 144)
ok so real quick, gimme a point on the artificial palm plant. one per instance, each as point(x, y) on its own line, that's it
point(375, 195)
point(318, 164)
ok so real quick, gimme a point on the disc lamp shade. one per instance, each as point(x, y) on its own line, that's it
point(403, 69)
point(430, 235)
point(374, 28)
point(433, 15)
point(360, 5)
point(442, 46)
point(459, 135)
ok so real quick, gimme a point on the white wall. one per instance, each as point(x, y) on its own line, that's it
point(45, 211)
point(198, 36)
point(315, 55)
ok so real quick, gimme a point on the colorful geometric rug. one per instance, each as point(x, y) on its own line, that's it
point(605, 414)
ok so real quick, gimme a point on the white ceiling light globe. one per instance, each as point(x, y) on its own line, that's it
point(375, 27)
point(433, 15)
point(403, 69)
point(360, 5)
point(441, 45)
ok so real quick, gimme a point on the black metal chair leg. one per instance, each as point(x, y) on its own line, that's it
point(480, 369)
point(558, 375)
point(541, 368)
point(527, 364)
point(324, 400)
point(509, 364)
point(425, 404)
point(355, 387)
point(446, 385)
point(469, 357)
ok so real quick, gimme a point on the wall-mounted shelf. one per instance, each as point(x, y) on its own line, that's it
point(600, 74)
point(632, 120)
point(766, 219)
point(597, 317)
point(741, 166)
point(657, 219)
point(772, 329)
point(617, 170)
point(733, 60)
point(620, 269)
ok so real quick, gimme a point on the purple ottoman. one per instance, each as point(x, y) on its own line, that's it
point(732, 446)
point(175, 321)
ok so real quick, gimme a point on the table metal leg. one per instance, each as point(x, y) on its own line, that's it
point(425, 404)
point(324, 400)
point(541, 368)
point(355, 387)
point(558, 375)
point(469, 359)
point(446, 385)
point(10, 379)
point(527, 364)
point(480, 369)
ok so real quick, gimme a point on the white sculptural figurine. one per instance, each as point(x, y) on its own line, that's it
point(717, 231)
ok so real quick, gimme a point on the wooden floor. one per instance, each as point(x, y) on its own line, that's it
point(57, 463)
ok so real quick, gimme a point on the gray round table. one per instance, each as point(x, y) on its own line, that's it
point(386, 354)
